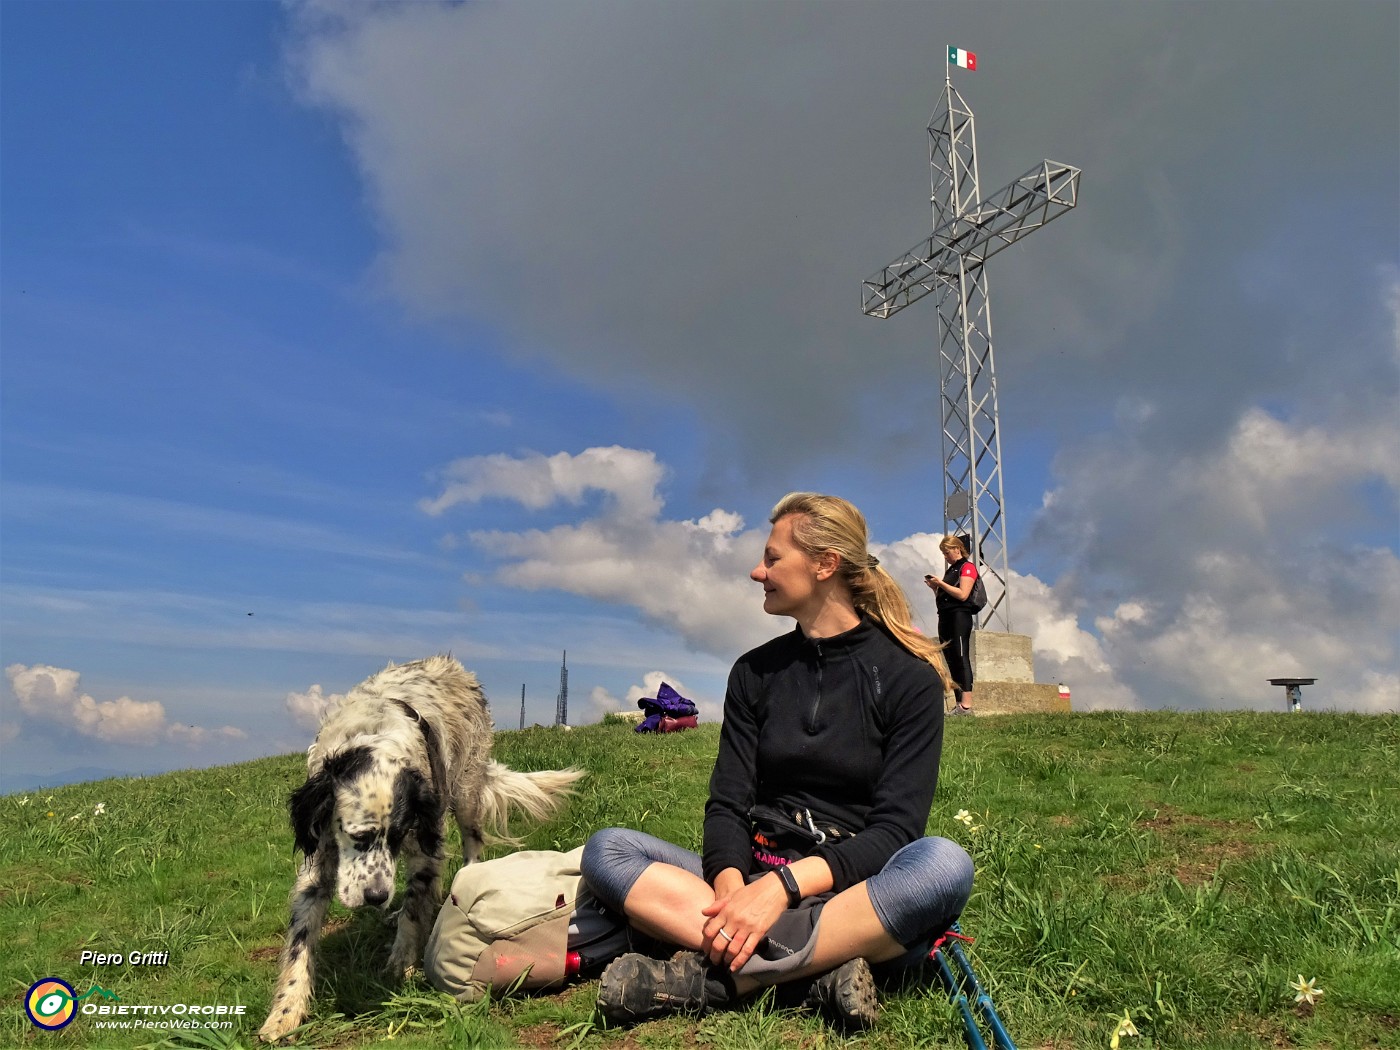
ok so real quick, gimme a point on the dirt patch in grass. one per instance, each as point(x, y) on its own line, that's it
point(1196, 848)
point(1206, 854)
point(1208, 858)
point(537, 1035)
point(1194, 873)
point(1169, 819)
point(1271, 1033)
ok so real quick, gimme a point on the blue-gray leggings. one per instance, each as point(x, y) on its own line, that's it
point(917, 895)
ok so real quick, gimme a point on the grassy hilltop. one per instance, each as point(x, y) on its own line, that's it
point(1184, 868)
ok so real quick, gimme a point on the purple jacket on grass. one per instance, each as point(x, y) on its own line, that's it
point(667, 702)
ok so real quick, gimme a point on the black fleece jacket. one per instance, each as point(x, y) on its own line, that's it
point(850, 727)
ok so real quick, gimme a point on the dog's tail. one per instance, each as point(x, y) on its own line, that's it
point(538, 795)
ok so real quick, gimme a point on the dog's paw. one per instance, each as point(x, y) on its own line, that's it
point(278, 1026)
point(401, 964)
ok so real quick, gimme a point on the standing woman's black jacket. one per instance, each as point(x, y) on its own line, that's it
point(850, 727)
point(953, 578)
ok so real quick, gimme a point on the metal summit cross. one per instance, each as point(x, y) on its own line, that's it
point(967, 231)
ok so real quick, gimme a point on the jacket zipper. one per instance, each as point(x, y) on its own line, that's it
point(817, 701)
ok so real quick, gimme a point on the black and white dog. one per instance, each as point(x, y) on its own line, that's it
point(401, 748)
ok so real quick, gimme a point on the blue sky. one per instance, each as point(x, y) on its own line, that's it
point(318, 322)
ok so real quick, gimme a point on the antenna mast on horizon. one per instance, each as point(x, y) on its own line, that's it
point(967, 231)
point(561, 706)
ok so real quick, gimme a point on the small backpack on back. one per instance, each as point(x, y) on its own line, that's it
point(511, 917)
point(977, 597)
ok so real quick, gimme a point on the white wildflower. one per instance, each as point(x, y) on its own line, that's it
point(99, 809)
point(1307, 990)
point(964, 816)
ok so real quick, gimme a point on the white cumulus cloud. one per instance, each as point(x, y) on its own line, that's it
point(51, 695)
point(691, 576)
point(309, 709)
point(534, 481)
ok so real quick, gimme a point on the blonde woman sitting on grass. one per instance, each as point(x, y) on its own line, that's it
point(815, 862)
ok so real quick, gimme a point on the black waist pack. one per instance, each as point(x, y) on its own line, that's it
point(781, 836)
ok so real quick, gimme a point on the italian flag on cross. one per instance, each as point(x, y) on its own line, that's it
point(964, 59)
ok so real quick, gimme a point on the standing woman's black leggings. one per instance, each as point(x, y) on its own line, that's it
point(955, 628)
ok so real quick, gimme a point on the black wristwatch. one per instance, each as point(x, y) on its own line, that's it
point(789, 881)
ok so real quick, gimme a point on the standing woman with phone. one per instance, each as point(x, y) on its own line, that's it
point(956, 617)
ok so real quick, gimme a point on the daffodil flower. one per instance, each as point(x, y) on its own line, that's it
point(1123, 1028)
point(1307, 990)
point(964, 816)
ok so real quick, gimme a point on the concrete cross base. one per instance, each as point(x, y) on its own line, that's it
point(1004, 677)
point(1015, 698)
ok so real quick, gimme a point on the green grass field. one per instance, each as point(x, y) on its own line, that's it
point(1182, 868)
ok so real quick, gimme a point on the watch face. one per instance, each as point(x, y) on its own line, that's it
point(789, 881)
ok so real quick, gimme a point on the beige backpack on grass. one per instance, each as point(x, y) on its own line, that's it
point(511, 918)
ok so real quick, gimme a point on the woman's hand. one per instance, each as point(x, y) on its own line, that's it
point(933, 582)
point(739, 920)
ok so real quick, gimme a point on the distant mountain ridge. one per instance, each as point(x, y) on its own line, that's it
point(12, 783)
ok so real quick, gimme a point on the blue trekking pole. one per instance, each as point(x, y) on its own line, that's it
point(960, 984)
point(959, 998)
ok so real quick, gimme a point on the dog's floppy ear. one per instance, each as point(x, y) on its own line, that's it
point(417, 808)
point(313, 804)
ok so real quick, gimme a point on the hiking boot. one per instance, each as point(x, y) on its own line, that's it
point(636, 987)
point(846, 995)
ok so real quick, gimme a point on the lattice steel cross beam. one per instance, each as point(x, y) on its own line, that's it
point(1044, 193)
point(967, 231)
